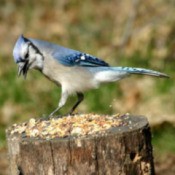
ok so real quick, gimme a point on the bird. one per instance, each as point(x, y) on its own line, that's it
point(75, 71)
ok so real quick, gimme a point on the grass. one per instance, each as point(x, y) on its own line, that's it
point(163, 139)
point(100, 100)
point(2, 136)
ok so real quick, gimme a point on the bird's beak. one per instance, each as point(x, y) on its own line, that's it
point(23, 68)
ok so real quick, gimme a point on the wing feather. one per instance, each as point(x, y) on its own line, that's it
point(69, 57)
point(80, 59)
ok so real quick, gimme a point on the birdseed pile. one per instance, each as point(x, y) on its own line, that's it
point(76, 125)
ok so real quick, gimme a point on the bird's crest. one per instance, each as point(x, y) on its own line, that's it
point(16, 51)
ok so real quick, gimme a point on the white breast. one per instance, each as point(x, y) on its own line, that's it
point(72, 79)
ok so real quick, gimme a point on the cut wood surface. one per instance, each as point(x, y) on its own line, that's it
point(121, 150)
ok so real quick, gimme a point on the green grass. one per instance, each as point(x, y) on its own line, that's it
point(164, 139)
point(13, 90)
point(100, 100)
point(2, 136)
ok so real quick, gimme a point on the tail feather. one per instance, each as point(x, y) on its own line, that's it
point(133, 70)
point(111, 74)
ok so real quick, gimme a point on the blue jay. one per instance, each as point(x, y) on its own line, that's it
point(75, 71)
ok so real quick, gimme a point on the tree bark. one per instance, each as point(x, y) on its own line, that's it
point(123, 150)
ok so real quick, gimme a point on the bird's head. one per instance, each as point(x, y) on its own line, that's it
point(27, 56)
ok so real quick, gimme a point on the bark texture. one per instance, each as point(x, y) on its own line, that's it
point(124, 150)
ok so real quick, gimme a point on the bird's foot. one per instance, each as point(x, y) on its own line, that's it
point(72, 113)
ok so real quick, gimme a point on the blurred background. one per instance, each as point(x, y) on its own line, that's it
point(124, 33)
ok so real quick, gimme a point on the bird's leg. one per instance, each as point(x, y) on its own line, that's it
point(80, 99)
point(61, 103)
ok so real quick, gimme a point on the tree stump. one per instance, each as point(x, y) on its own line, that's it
point(122, 150)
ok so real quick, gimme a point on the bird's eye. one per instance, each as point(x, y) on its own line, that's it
point(26, 55)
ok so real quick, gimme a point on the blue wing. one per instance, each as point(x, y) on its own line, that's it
point(79, 59)
point(69, 57)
